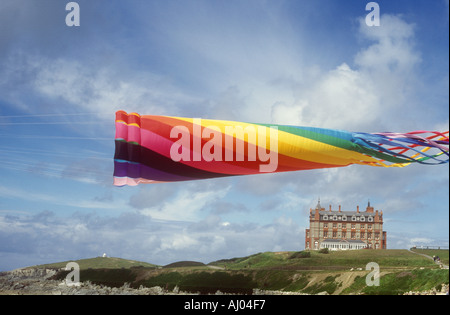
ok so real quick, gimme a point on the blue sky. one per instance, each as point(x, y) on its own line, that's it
point(311, 63)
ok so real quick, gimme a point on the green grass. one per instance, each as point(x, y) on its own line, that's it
point(400, 282)
point(184, 263)
point(100, 262)
point(442, 253)
point(328, 285)
point(307, 271)
point(203, 282)
point(334, 259)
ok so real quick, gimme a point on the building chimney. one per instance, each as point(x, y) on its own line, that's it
point(357, 209)
point(330, 207)
point(369, 208)
point(339, 208)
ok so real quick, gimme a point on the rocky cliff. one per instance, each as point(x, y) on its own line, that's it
point(32, 281)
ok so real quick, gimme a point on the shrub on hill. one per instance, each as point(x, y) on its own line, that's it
point(302, 254)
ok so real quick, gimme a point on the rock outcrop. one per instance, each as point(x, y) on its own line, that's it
point(32, 281)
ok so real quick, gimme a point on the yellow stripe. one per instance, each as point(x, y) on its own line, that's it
point(300, 147)
point(131, 124)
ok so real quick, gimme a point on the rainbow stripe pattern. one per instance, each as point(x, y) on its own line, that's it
point(155, 149)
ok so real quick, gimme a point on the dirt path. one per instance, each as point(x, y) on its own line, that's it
point(436, 262)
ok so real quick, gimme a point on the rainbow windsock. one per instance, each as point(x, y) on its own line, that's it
point(155, 149)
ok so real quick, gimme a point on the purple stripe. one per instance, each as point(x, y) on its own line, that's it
point(134, 170)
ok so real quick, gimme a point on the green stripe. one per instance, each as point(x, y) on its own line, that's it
point(339, 139)
point(130, 142)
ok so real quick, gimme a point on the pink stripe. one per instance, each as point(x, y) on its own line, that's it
point(128, 133)
point(414, 135)
point(121, 131)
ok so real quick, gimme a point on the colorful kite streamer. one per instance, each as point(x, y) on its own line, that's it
point(153, 149)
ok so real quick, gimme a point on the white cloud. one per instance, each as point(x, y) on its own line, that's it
point(177, 242)
point(186, 205)
point(263, 87)
point(55, 199)
point(136, 236)
point(390, 54)
point(357, 99)
point(342, 99)
point(101, 90)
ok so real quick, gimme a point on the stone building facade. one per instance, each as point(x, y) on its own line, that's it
point(345, 230)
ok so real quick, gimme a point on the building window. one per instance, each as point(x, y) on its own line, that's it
point(334, 234)
point(363, 218)
point(363, 235)
point(334, 225)
point(369, 235)
point(353, 235)
point(370, 219)
point(353, 218)
point(344, 218)
point(325, 217)
point(344, 234)
point(325, 234)
point(363, 226)
point(325, 225)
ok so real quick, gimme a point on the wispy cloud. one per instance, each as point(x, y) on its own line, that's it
point(53, 199)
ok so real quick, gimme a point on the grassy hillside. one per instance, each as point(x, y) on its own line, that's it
point(401, 281)
point(313, 260)
point(442, 253)
point(312, 272)
point(100, 262)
